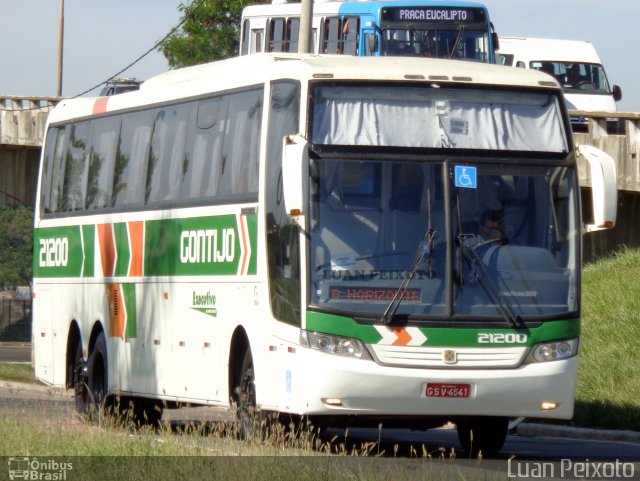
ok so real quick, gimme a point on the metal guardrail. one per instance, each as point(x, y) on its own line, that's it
point(15, 318)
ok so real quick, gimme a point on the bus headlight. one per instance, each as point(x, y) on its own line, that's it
point(330, 344)
point(553, 351)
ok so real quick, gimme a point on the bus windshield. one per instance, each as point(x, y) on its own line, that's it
point(419, 116)
point(500, 243)
point(493, 239)
point(455, 44)
point(436, 31)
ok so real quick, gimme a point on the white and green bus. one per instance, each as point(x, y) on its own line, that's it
point(304, 234)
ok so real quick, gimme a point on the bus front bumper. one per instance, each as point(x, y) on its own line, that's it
point(323, 384)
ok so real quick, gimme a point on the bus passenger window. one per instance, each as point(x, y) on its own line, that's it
point(293, 33)
point(129, 178)
point(104, 145)
point(244, 48)
point(277, 35)
point(350, 37)
point(257, 40)
point(331, 35)
point(75, 172)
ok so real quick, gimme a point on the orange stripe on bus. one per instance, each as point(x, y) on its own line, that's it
point(403, 336)
point(117, 310)
point(136, 237)
point(107, 249)
point(100, 106)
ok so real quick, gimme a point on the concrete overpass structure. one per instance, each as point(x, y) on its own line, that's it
point(22, 121)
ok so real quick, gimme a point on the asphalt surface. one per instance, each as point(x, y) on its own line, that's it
point(15, 352)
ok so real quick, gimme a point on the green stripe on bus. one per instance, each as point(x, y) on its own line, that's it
point(211, 245)
point(89, 240)
point(58, 252)
point(129, 294)
point(195, 246)
point(122, 248)
point(446, 336)
point(252, 227)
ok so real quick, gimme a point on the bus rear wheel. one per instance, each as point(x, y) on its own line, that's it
point(483, 435)
point(98, 377)
point(80, 381)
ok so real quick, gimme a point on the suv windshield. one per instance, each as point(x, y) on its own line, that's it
point(576, 77)
point(369, 218)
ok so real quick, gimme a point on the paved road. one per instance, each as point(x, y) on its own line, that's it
point(15, 352)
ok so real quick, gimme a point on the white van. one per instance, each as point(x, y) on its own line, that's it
point(575, 64)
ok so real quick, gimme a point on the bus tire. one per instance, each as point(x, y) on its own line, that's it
point(248, 419)
point(483, 435)
point(98, 380)
point(80, 381)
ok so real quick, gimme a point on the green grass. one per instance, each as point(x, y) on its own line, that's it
point(609, 368)
point(112, 450)
point(17, 372)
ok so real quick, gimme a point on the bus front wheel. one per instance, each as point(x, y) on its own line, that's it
point(482, 435)
point(249, 422)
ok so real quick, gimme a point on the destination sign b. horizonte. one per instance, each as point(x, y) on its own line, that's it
point(433, 14)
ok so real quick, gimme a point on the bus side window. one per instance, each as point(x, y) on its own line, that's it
point(246, 37)
point(292, 35)
point(129, 178)
point(104, 144)
point(46, 190)
point(341, 35)
point(75, 172)
point(257, 40)
point(166, 157)
point(331, 36)
point(520, 64)
point(350, 35)
point(276, 40)
point(238, 173)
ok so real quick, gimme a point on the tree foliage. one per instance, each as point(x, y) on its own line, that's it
point(16, 246)
point(210, 31)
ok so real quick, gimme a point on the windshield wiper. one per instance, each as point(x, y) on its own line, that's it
point(494, 293)
point(424, 246)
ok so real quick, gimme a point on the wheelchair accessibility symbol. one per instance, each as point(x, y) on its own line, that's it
point(466, 177)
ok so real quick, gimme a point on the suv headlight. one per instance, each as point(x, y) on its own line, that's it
point(553, 351)
point(330, 344)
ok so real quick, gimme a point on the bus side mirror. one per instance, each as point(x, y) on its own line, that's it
point(603, 187)
point(617, 93)
point(496, 41)
point(295, 176)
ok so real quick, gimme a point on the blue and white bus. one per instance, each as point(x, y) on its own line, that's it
point(420, 28)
